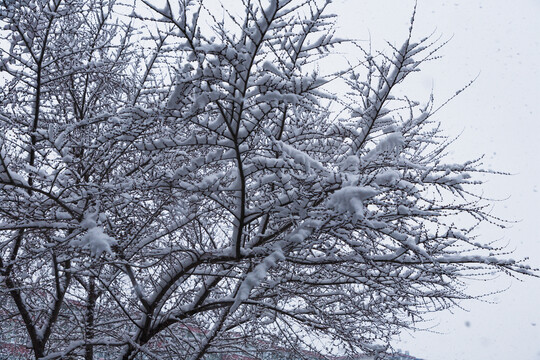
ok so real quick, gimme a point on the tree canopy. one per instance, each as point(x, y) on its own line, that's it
point(183, 182)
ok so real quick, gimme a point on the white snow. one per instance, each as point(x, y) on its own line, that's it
point(393, 142)
point(97, 241)
point(255, 277)
point(350, 199)
point(95, 238)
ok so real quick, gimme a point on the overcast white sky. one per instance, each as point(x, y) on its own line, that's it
point(499, 116)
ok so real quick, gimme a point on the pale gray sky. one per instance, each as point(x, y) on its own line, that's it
point(499, 116)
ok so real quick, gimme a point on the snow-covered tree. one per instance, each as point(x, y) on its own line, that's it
point(179, 184)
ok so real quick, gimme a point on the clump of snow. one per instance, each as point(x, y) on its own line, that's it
point(97, 241)
point(301, 158)
point(388, 177)
point(300, 235)
point(351, 163)
point(350, 199)
point(403, 210)
point(393, 142)
point(95, 238)
point(89, 220)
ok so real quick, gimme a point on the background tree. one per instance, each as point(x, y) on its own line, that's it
point(187, 185)
point(61, 73)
